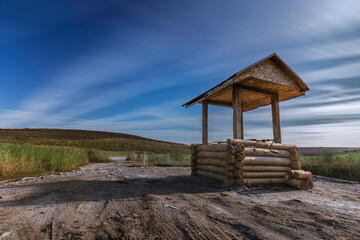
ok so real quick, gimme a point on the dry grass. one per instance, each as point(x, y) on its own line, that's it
point(334, 164)
point(146, 159)
point(21, 161)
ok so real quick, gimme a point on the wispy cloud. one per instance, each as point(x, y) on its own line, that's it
point(139, 63)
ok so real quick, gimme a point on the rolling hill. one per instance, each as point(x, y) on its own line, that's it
point(99, 140)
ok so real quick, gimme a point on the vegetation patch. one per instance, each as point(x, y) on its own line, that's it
point(342, 165)
point(109, 144)
point(20, 161)
point(106, 141)
point(146, 159)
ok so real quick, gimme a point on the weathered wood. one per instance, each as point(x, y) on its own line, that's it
point(238, 173)
point(208, 154)
point(260, 160)
point(258, 144)
point(294, 149)
point(229, 182)
point(300, 183)
point(229, 167)
point(233, 149)
point(302, 174)
point(235, 158)
point(221, 104)
point(237, 114)
point(294, 157)
point(267, 76)
point(229, 174)
point(295, 165)
point(213, 147)
point(276, 118)
point(205, 122)
point(211, 168)
point(194, 148)
point(258, 90)
point(261, 181)
point(262, 168)
point(251, 151)
point(211, 161)
point(210, 175)
point(264, 174)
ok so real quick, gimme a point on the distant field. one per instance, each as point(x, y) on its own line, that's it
point(308, 151)
point(342, 165)
point(98, 140)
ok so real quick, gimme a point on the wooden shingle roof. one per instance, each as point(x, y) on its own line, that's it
point(258, 82)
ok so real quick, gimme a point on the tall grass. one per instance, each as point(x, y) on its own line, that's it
point(153, 159)
point(20, 161)
point(334, 164)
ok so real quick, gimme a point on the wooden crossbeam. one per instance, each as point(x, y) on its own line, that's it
point(261, 91)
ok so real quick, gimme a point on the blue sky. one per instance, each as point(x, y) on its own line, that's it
point(128, 66)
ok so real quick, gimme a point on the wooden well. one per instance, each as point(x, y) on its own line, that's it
point(266, 82)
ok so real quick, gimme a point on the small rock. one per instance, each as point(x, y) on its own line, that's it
point(4, 234)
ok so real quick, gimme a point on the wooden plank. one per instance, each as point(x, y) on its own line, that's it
point(216, 176)
point(211, 168)
point(213, 147)
point(259, 144)
point(264, 174)
point(262, 168)
point(211, 161)
point(212, 154)
point(263, 160)
point(205, 122)
point(251, 151)
point(219, 103)
point(257, 90)
point(237, 114)
point(276, 118)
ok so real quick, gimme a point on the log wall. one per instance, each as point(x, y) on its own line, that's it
point(247, 162)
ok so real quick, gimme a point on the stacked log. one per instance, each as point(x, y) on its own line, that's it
point(250, 162)
point(234, 163)
point(193, 158)
point(300, 179)
point(264, 163)
point(211, 161)
point(295, 158)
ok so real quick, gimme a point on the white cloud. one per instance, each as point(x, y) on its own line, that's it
point(348, 70)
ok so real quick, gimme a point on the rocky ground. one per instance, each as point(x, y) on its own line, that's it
point(113, 201)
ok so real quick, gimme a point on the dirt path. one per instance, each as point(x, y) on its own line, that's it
point(112, 201)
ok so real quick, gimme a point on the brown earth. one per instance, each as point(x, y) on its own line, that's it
point(113, 201)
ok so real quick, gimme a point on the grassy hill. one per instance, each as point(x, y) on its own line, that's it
point(108, 141)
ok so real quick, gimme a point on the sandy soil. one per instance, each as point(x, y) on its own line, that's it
point(112, 201)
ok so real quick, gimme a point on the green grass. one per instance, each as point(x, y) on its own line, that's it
point(33, 152)
point(146, 159)
point(109, 144)
point(334, 164)
point(20, 161)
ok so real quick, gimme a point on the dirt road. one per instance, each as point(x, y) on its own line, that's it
point(112, 201)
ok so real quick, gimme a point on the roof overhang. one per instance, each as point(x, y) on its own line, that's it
point(258, 82)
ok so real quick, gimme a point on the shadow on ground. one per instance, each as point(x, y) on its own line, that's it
point(67, 191)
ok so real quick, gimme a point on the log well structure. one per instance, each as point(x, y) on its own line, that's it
point(238, 161)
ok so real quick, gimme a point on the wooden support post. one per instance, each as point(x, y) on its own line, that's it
point(237, 114)
point(276, 118)
point(204, 122)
